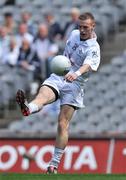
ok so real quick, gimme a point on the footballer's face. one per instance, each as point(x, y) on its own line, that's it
point(86, 27)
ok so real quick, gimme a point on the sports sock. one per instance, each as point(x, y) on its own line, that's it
point(33, 107)
point(56, 157)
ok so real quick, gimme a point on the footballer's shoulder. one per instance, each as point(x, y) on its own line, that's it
point(75, 32)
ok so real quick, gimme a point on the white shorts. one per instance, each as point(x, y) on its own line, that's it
point(69, 93)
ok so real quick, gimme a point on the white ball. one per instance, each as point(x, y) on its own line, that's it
point(60, 65)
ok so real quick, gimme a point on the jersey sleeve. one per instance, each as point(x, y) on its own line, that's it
point(67, 50)
point(66, 53)
point(93, 58)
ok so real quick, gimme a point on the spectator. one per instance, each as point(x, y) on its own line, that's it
point(10, 24)
point(28, 59)
point(26, 17)
point(4, 43)
point(73, 24)
point(23, 33)
point(55, 32)
point(44, 47)
point(12, 55)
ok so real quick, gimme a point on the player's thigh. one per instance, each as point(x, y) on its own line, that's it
point(46, 95)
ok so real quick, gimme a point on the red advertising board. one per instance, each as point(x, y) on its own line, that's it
point(119, 157)
point(81, 156)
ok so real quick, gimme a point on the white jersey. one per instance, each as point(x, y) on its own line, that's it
point(79, 52)
point(82, 52)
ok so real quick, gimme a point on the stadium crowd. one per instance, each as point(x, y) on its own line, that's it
point(31, 32)
point(31, 46)
point(30, 36)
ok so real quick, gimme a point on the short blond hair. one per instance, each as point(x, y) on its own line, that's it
point(87, 15)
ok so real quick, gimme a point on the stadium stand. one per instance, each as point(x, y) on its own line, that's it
point(105, 106)
point(106, 91)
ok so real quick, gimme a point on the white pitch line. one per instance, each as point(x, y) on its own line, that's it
point(110, 156)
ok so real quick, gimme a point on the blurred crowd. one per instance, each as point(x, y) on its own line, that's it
point(32, 32)
point(31, 46)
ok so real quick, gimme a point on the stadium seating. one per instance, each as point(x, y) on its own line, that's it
point(105, 105)
point(105, 93)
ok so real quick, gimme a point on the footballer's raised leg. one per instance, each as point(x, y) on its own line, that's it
point(46, 95)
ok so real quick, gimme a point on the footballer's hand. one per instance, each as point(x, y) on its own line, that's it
point(71, 77)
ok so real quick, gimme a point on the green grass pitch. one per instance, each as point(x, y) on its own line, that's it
point(15, 176)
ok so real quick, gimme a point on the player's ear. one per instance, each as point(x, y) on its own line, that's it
point(93, 27)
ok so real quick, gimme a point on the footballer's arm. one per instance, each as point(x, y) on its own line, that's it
point(73, 76)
